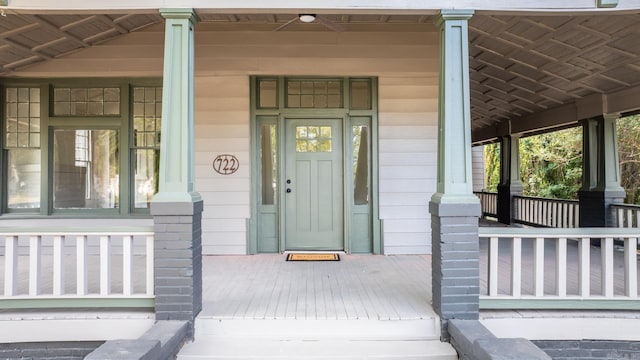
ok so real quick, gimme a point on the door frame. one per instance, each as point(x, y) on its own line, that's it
point(278, 116)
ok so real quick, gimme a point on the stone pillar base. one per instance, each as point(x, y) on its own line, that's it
point(178, 260)
point(455, 261)
point(594, 207)
point(505, 208)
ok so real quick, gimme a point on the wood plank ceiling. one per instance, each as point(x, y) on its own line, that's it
point(519, 65)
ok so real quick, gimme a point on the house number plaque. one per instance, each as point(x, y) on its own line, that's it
point(226, 164)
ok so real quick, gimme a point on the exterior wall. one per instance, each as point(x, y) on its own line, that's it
point(477, 164)
point(406, 64)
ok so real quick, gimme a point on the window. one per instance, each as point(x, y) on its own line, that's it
point(93, 148)
point(85, 169)
point(22, 144)
point(314, 94)
point(147, 110)
point(83, 101)
point(313, 139)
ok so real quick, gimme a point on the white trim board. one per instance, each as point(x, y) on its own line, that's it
point(565, 328)
point(69, 326)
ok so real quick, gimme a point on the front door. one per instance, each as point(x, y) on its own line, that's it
point(313, 185)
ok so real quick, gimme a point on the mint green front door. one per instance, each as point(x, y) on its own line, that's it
point(313, 185)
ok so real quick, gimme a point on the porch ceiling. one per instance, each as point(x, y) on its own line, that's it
point(520, 65)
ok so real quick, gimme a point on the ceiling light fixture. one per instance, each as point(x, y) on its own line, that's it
point(307, 18)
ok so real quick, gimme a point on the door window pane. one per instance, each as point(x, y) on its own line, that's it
point(268, 162)
point(313, 139)
point(23, 184)
point(360, 165)
point(85, 169)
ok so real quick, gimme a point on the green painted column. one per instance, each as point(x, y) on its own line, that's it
point(454, 208)
point(177, 208)
point(177, 171)
point(600, 172)
point(455, 183)
point(510, 184)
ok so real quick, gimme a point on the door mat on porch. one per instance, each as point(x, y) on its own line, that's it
point(313, 257)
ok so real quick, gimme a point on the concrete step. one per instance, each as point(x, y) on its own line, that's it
point(316, 339)
point(321, 349)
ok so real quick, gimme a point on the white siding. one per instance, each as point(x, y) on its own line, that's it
point(406, 64)
point(478, 167)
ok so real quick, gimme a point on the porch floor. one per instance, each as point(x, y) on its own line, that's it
point(367, 287)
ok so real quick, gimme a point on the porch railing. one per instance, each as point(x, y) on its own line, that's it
point(488, 203)
point(546, 268)
point(546, 212)
point(628, 216)
point(56, 268)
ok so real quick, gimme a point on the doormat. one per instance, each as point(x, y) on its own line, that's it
point(312, 257)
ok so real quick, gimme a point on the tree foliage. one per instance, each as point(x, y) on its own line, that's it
point(629, 156)
point(551, 163)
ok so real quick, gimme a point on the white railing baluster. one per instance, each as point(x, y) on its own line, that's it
point(606, 247)
point(81, 265)
point(127, 265)
point(35, 264)
point(516, 267)
point(105, 265)
point(493, 266)
point(538, 257)
point(631, 267)
point(10, 265)
point(58, 265)
point(561, 267)
point(584, 264)
point(637, 219)
point(150, 266)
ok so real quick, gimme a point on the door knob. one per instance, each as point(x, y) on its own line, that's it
point(288, 190)
point(288, 181)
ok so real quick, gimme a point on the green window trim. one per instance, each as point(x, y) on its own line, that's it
point(122, 123)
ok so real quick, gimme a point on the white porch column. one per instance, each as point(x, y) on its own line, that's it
point(600, 172)
point(454, 208)
point(177, 208)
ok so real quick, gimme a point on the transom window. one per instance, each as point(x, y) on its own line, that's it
point(102, 155)
point(314, 94)
point(84, 101)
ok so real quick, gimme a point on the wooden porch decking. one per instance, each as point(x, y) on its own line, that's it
point(356, 287)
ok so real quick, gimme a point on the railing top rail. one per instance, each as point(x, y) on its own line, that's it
point(558, 232)
point(626, 206)
point(486, 192)
point(547, 199)
point(60, 231)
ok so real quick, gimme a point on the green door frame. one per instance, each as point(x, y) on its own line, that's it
point(281, 113)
